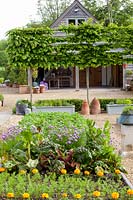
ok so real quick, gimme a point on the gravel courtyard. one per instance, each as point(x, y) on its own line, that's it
point(10, 100)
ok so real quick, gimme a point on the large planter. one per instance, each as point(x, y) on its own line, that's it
point(69, 109)
point(24, 89)
point(115, 109)
point(20, 108)
point(125, 119)
point(127, 139)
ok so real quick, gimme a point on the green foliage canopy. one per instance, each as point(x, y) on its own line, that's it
point(86, 45)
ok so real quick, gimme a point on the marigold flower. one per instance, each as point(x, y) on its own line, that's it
point(10, 195)
point(86, 173)
point(34, 171)
point(22, 171)
point(45, 196)
point(130, 192)
point(100, 173)
point(63, 171)
point(77, 196)
point(96, 193)
point(2, 169)
point(64, 195)
point(77, 171)
point(25, 195)
point(117, 171)
point(115, 195)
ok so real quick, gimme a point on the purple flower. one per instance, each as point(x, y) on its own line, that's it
point(11, 132)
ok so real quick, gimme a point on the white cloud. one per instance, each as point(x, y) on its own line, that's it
point(16, 13)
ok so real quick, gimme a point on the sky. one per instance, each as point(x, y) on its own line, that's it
point(15, 14)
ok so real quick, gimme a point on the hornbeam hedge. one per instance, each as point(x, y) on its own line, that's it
point(86, 45)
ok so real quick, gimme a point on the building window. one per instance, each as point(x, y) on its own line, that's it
point(80, 21)
point(72, 21)
point(75, 21)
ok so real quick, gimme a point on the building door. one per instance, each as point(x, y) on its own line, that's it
point(95, 77)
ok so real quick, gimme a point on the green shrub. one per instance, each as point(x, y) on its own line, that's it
point(23, 101)
point(127, 110)
point(123, 101)
point(104, 102)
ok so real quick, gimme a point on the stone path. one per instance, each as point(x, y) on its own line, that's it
point(4, 116)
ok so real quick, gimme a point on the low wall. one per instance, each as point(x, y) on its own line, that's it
point(9, 90)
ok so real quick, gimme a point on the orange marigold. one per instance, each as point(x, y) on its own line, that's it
point(63, 171)
point(64, 195)
point(25, 195)
point(96, 193)
point(22, 171)
point(86, 173)
point(10, 195)
point(117, 171)
point(45, 196)
point(35, 171)
point(2, 169)
point(115, 195)
point(77, 196)
point(130, 192)
point(77, 171)
point(100, 173)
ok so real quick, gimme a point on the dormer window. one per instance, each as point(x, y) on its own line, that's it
point(75, 21)
point(80, 21)
point(72, 21)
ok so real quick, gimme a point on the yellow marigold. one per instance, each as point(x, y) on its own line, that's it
point(64, 195)
point(45, 196)
point(77, 196)
point(22, 171)
point(10, 195)
point(96, 193)
point(115, 195)
point(25, 195)
point(77, 171)
point(130, 192)
point(100, 173)
point(117, 171)
point(63, 171)
point(34, 171)
point(86, 173)
point(2, 169)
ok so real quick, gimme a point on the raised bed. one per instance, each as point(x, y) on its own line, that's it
point(115, 109)
point(69, 109)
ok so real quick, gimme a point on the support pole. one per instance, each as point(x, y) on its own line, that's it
point(30, 84)
point(87, 84)
point(77, 78)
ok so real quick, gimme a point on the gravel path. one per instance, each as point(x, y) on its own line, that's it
point(10, 100)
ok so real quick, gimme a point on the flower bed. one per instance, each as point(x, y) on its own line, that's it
point(57, 156)
point(77, 186)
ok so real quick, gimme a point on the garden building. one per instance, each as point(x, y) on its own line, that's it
point(110, 76)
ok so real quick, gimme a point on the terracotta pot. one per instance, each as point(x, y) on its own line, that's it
point(42, 89)
point(95, 107)
point(85, 108)
point(36, 90)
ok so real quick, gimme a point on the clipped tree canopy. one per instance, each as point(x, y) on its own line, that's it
point(86, 45)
